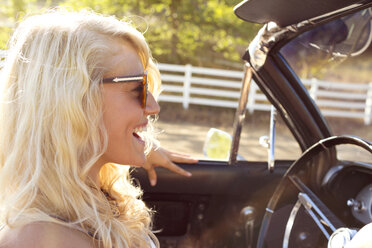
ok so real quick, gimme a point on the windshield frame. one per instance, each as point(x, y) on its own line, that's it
point(284, 88)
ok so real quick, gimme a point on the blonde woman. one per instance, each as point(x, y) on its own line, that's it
point(76, 91)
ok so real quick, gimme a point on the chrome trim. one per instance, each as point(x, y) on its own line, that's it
point(364, 212)
point(240, 113)
point(248, 214)
point(309, 205)
point(288, 227)
point(269, 210)
point(323, 146)
point(271, 149)
point(331, 173)
point(335, 12)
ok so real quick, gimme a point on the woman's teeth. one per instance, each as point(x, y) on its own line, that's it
point(139, 129)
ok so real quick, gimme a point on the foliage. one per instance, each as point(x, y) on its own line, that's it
point(199, 32)
point(13, 11)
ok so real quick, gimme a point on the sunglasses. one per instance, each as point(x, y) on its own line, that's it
point(129, 79)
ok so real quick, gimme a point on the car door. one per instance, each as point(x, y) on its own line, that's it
point(206, 210)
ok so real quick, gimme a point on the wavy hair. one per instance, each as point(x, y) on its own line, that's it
point(52, 132)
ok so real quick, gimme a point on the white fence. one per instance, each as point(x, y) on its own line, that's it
point(221, 88)
point(202, 86)
point(188, 84)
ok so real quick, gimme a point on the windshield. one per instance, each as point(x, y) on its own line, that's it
point(333, 61)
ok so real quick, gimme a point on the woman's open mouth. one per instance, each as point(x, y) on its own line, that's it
point(137, 136)
point(137, 132)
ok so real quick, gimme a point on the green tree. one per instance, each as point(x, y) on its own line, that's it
point(13, 11)
point(200, 32)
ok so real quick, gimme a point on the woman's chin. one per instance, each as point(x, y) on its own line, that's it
point(138, 162)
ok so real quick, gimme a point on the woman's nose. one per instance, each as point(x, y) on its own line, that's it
point(152, 106)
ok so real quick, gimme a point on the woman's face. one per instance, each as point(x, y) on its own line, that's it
point(123, 114)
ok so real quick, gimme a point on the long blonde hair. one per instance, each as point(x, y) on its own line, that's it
point(52, 132)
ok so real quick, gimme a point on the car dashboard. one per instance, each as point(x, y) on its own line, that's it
point(350, 185)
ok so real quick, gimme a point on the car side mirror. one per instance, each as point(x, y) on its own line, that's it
point(217, 144)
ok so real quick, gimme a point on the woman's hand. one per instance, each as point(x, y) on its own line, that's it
point(164, 158)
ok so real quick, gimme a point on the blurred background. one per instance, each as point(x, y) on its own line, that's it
point(198, 45)
point(198, 32)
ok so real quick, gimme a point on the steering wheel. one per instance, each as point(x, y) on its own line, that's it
point(306, 191)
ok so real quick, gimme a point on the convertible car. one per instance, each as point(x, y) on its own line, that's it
point(319, 199)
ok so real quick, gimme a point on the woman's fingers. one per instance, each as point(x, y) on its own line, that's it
point(179, 157)
point(151, 173)
point(182, 159)
point(175, 168)
point(152, 176)
point(164, 158)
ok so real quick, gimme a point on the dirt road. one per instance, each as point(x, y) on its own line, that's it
point(190, 138)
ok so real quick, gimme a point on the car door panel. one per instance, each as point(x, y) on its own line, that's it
point(198, 207)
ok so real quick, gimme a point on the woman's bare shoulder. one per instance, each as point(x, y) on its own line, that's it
point(44, 234)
